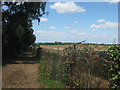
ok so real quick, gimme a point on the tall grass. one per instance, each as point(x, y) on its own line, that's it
point(51, 70)
point(87, 68)
point(74, 68)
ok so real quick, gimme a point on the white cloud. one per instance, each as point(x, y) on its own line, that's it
point(101, 20)
point(113, 1)
point(104, 35)
point(77, 32)
point(66, 27)
point(74, 31)
point(105, 25)
point(71, 35)
point(53, 33)
point(74, 36)
point(82, 33)
point(52, 27)
point(43, 19)
point(49, 32)
point(67, 7)
point(42, 32)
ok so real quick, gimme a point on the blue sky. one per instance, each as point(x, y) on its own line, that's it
point(94, 22)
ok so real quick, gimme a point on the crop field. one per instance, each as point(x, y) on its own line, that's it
point(69, 66)
point(61, 47)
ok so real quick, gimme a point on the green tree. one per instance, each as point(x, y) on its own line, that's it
point(29, 38)
point(17, 33)
point(20, 31)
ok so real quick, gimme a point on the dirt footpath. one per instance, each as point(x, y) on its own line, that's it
point(20, 76)
point(21, 73)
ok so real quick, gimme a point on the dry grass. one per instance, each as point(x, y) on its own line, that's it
point(61, 47)
point(95, 80)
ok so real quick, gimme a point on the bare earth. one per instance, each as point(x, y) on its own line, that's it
point(22, 74)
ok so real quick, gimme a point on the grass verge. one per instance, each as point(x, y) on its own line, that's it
point(45, 79)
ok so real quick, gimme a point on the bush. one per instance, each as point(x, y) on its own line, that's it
point(114, 56)
point(83, 66)
point(74, 68)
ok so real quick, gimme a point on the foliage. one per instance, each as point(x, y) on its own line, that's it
point(50, 71)
point(17, 33)
point(70, 61)
point(74, 68)
point(82, 63)
point(73, 43)
point(58, 43)
point(114, 56)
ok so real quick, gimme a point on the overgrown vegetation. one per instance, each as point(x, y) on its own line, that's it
point(51, 70)
point(74, 68)
point(114, 55)
point(85, 68)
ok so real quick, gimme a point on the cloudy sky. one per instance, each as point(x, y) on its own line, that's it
point(94, 22)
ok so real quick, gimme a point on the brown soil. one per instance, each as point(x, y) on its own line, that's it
point(22, 74)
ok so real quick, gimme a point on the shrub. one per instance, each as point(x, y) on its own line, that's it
point(82, 66)
point(114, 56)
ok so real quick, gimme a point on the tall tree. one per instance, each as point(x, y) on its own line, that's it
point(17, 33)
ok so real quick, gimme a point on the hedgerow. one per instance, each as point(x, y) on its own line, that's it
point(114, 56)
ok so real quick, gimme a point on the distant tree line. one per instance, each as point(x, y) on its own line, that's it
point(17, 32)
point(70, 43)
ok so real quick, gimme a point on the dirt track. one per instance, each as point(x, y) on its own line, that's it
point(23, 74)
point(20, 76)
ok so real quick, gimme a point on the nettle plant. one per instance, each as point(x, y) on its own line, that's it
point(114, 56)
